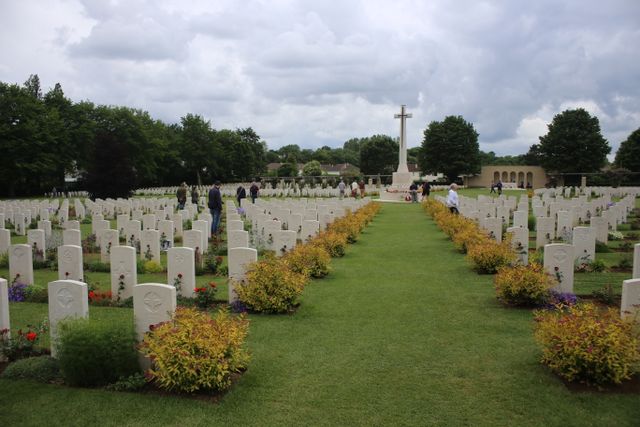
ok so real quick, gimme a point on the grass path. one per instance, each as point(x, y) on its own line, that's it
point(401, 333)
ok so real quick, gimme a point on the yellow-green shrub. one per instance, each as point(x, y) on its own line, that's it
point(489, 255)
point(523, 285)
point(468, 235)
point(332, 242)
point(152, 267)
point(309, 260)
point(270, 286)
point(194, 352)
point(588, 344)
point(349, 225)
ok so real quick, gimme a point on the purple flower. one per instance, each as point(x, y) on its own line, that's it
point(17, 292)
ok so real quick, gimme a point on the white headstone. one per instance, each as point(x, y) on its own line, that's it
point(177, 224)
point(110, 239)
point(67, 299)
point(584, 243)
point(239, 259)
point(21, 264)
point(493, 226)
point(124, 272)
point(235, 225)
point(636, 261)
point(545, 230)
point(521, 219)
point(121, 222)
point(237, 239)
point(601, 227)
point(165, 228)
point(35, 239)
point(310, 229)
point(284, 241)
point(71, 237)
point(4, 307)
point(5, 240)
point(150, 245)
point(181, 270)
point(97, 226)
point(202, 226)
point(565, 225)
point(70, 263)
point(558, 262)
point(630, 303)
point(20, 224)
point(72, 225)
point(152, 303)
point(46, 226)
point(134, 232)
point(149, 222)
point(520, 243)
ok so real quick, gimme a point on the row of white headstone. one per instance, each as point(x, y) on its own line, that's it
point(559, 259)
point(152, 303)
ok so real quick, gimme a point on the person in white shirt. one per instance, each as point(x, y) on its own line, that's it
point(452, 199)
point(354, 188)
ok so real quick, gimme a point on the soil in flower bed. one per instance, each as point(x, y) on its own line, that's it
point(630, 386)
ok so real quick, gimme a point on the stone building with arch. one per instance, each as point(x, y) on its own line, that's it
point(511, 176)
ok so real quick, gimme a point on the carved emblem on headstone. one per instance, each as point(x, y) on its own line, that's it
point(560, 255)
point(64, 297)
point(152, 302)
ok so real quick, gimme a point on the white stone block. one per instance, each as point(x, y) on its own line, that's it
point(124, 272)
point(70, 265)
point(239, 259)
point(181, 269)
point(520, 243)
point(630, 303)
point(150, 245)
point(4, 307)
point(584, 243)
point(67, 299)
point(237, 239)
point(558, 262)
point(21, 264)
point(152, 303)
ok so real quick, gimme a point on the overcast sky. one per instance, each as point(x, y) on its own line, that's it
point(317, 72)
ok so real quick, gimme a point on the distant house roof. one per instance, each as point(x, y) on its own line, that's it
point(339, 168)
point(273, 166)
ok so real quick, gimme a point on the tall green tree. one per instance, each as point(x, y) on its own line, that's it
point(573, 144)
point(378, 155)
point(198, 149)
point(628, 155)
point(312, 168)
point(450, 147)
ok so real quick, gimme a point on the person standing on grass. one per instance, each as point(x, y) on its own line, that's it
point(181, 195)
point(413, 188)
point(341, 187)
point(499, 187)
point(253, 191)
point(452, 199)
point(215, 206)
point(426, 190)
point(361, 186)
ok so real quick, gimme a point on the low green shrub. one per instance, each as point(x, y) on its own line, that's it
point(334, 243)
point(93, 353)
point(97, 266)
point(602, 248)
point(309, 260)
point(34, 293)
point(588, 344)
point(193, 352)
point(270, 286)
point(133, 382)
point(523, 285)
point(152, 267)
point(43, 369)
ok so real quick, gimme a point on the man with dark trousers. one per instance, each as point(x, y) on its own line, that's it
point(215, 206)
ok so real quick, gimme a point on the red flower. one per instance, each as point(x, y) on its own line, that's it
point(92, 295)
point(212, 284)
point(179, 275)
point(31, 336)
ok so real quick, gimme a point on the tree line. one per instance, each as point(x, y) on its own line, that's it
point(112, 150)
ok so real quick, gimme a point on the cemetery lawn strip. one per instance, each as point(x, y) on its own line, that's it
point(402, 332)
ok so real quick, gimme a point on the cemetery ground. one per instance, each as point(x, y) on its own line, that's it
point(402, 332)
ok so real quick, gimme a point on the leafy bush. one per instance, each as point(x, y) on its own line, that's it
point(487, 257)
point(309, 260)
point(270, 286)
point(349, 225)
point(133, 382)
point(602, 248)
point(334, 243)
point(23, 344)
point(194, 352)
point(596, 266)
point(152, 267)
point(616, 235)
point(587, 344)
point(37, 294)
point(205, 296)
point(523, 285)
point(97, 266)
point(605, 295)
point(4, 260)
point(43, 369)
point(468, 236)
point(94, 353)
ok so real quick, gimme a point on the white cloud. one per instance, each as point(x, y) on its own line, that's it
point(318, 73)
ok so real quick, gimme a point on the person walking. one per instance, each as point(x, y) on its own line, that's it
point(426, 190)
point(499, 187)
point(253, 191)
point(195, 195)
point(362, 188)
point(215, 207)
point(241, 193)
point(181, 195)
point(354, 188)
point(341, 187)
point(452, 199)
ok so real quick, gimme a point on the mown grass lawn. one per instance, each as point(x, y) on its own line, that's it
point(402, 332)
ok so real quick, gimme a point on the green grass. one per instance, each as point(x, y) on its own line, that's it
point(401, 333)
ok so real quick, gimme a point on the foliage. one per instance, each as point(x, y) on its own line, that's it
point(312, 168)
point(310, 260)
point(270, 286)
point(334, 243)
point(94, 353)
point(43, 369)
point(34, 293)
point(152, 267)
point(523, 285)
point(194, 352)
point(602, 248)
point(487, 257)
point(616, 235)
point(97, 266)
point(23, 344)
point(133, 382)
point(605, 295)
point(628, 155)
point(450, 147)
point(349, 225)
point(573, 143)
point(17, 290)
point(378, 155)
point(596, 266)
point(587, 344)
point(205, 296)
